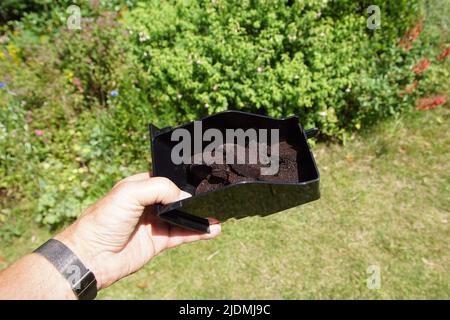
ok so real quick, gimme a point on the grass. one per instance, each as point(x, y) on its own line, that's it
point(385, 202)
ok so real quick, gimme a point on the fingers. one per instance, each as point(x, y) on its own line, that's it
point(180, 236)
point(149, 191)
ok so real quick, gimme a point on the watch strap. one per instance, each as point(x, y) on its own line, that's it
point(80, 278)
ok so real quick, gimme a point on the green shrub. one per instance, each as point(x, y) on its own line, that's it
point(15, 9)
point(64, 141)
point(316, 59)
point(76, 105)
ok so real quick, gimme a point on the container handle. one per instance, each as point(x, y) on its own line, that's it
point(311, 133)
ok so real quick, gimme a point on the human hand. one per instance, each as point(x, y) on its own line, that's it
point(119, 234)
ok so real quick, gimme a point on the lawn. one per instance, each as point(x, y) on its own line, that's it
point(75, 106)
point(385, 202)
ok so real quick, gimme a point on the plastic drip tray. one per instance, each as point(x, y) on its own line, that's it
point(244, 193)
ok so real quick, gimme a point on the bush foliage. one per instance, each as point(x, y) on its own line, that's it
point(316, 59)
point(75, 103)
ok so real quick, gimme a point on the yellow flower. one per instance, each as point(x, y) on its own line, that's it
point(13, 52)
point(69, 75)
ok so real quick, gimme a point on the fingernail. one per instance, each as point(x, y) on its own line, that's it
point(213, 221)
point(215, 229)
point(184, 195)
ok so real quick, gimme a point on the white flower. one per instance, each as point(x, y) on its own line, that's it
point(260, 69)
point(179, 96)
point(198, 62)
point(323, 113)
point(296, 77)
point(206, 105)
point(348, 90)
point(292, 37)
point(143, 36)
point(322, 34)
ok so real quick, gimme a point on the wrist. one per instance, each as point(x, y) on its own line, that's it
point(86, 256)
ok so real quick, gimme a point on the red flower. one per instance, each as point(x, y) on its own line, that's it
point(411, 35)
point(439, 100)
point(39, 133)
point(410, 88)
point(77, 83)
point(430, 103)
point(421, 66)
point(444, 54)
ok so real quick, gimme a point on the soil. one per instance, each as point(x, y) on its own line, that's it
point(215, 176)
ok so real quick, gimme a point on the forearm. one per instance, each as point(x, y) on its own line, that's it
point(33, 277)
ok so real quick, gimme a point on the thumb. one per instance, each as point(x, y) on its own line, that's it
point(155, 190)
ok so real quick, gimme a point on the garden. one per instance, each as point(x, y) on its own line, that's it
point(81, 80)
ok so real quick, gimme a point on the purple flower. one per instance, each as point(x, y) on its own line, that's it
point(2, 85)
point(114, 93)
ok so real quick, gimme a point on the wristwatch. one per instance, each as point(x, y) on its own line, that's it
point(80, 278)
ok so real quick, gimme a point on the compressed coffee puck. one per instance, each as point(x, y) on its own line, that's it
point(235, 178)
point(288, 171)
point(220, 171)
point(215, 176)
point(247, 170)
point(198, 172)
point(287, 151)
point(206, 186)
point(288, 167)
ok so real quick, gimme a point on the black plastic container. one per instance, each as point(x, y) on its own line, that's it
point(246, 198)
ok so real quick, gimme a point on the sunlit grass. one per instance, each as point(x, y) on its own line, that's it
point(384, 202)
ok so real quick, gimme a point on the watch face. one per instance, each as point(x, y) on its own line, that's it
point(86, 287)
